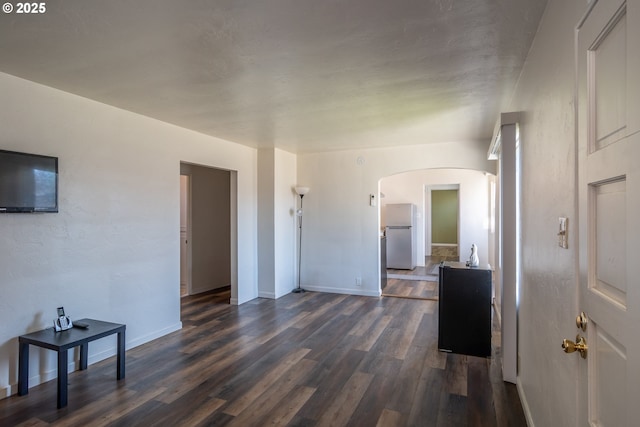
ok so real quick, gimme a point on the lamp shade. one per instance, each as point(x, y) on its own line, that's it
point(301, 191)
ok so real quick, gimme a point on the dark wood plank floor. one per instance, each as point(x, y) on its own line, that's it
point(425, 289)
point(303, 360)
point(411, 289)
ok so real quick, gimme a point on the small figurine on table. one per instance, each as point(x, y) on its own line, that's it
point(474, 261)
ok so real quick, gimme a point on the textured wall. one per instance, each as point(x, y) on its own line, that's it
point(545, 95)
point(284, 222)
point(276, 222)
point(112, 252)
point(341, 229)
point(410, 187)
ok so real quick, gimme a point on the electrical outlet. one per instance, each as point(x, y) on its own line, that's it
point(359, 282)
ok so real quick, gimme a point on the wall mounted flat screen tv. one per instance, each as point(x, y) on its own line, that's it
point(28, 182)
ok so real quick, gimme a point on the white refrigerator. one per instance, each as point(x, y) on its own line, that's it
point(400, 230)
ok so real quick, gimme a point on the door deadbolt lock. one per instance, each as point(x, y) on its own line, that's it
point(581, 321)
point(580, 346)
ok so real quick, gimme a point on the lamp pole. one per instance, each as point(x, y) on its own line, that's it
point(298, 289)
point(300, 191)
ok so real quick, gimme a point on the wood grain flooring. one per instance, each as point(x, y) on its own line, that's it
point(307, 359)
point(420, 289)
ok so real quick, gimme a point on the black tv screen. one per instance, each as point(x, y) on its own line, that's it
point(28, 182)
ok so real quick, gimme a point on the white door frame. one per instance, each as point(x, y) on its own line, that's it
point(233, 226)
point(503, 148)
point(427, 213)
point(185, 232)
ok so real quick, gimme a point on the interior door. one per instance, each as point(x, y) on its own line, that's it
point(608, 67)
point(184, 235)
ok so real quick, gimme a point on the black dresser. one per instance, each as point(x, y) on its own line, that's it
point(464, 317)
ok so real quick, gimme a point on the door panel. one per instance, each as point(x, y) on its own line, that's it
point(609, 208)
point(610, 371)
point(608, 58)
point(609, 236)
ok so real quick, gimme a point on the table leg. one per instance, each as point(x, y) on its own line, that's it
point(23, 369)
point(121, 355)
point(62, 378)
point(84, 355)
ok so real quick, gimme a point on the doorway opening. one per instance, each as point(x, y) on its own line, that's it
point(185, 272)
point(207, 232)
point(466, 216)
point(442, 220)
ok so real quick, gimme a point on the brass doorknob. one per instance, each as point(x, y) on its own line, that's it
point(580, 346)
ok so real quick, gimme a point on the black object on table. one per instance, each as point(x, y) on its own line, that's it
point(464, 316)
point(63, 341)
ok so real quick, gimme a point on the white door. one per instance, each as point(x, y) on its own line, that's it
point(608, 66)
point(184, 235)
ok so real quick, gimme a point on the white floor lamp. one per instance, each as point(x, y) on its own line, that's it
point(300, 191)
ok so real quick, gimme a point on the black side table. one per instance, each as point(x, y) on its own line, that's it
point(63, 341)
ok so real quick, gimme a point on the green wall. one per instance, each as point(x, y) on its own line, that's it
point(444, 216)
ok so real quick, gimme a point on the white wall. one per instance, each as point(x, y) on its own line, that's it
point(266, 219)
point(545, 95)
point(284, 222)
point(341, 230)
point(409, 187)
point(276, 222)
point(112, 252)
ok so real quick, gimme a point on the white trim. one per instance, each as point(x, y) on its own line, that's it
point(145, 339)
point(496, 141)
point(330, 290)
point(444, 187)
point(525, 404)
point(269, 295)
point(495, 147)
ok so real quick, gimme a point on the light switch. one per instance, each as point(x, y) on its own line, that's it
point(563, 232)
point(372, 200)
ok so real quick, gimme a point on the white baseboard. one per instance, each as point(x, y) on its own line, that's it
point(7, 391)
point(352, 291)
point(149, 337)
point(269, 295)
point(525, 405)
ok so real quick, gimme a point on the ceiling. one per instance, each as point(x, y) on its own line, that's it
point(300, 75)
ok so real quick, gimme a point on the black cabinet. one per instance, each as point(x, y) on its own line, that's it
point(464, 317)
